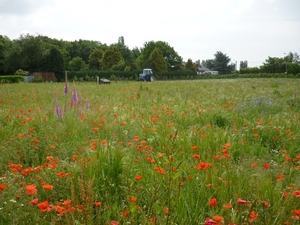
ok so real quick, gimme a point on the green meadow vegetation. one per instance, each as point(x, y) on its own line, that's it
point(166, 152)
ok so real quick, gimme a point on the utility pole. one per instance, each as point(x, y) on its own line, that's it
point(285, 63)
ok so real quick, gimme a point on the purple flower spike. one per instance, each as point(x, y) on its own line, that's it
point(74, 97)
point(87, 105)
point(79, 101)
point(57, 109)
point(66, 88)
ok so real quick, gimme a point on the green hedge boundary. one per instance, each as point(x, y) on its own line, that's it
point(91, 75)
point(11, 79)
point(259, 75)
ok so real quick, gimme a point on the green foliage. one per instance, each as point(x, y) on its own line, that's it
point(190, 65)
point(32, 53)
point(243, 64)
point(157, 61)
point(5, 44)
point(120, 66)
point(221, 63)
point(127, 69)
point(170, 55)
point(111, 57)
point(126, 53)
point(95, 59)
point(83, 48)
point(77, 64)
point(14, 59)
point(11, 79)
point(22, 72)
point(209, 63)
point(250, 70)
point(54, 61)
point(38, 79)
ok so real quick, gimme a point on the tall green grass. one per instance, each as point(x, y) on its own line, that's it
point(177, 152)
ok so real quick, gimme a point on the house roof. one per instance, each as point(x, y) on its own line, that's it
point(203, 69)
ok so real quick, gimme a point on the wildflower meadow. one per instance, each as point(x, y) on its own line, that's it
point(223, 152)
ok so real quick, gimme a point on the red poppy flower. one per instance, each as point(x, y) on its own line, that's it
point(132, 199)
point(44, 206)
point(195, 147)
point(125, 214)
point(34, 201)
point(267, 165)
point(213, 202)
point(67, 202)
point(49, 158)
point(2, 187)
point(48, 187)
point(242, 202)
point(138, 177)
point(97, 204)
point(196, 156)
point(227, 206)
point(209, 221)
point(253, 215)
point(31, 189)
point(166, 210)
point(218, 219)
point(297, 194)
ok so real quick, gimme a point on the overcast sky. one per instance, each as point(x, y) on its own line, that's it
point(242, 29)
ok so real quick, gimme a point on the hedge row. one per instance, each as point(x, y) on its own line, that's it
point(11, 79)
point(172, 75)
point(259, 75)
point(123, 75)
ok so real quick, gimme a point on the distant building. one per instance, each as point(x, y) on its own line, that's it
point(46, 76)
point(202, 69)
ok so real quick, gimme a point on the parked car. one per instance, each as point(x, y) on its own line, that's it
point(147, 75)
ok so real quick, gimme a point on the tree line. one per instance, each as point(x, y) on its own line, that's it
point(40, 53)
point(289, 64)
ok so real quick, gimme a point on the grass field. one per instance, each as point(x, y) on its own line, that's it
point(182, 152)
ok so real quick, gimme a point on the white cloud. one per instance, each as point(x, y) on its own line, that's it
point(242, 5)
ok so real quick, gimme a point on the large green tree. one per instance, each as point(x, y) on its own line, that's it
point(95, 59)
point(5, 46)
point(170, 55)
point(13, 59)
point(83, 49)
point(292, 58)
point(273, 65)
point(157, 61)
point(288, 64)
point(111, 57)
point(190, 65)
point(221, 63)
point(54, 61)
point(32, 52)
point(209, 63)
point(124, 50)
point(77, 64)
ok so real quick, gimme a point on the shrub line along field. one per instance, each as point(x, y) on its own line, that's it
point(195, 152)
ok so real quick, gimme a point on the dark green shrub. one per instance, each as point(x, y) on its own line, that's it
point(11, 79)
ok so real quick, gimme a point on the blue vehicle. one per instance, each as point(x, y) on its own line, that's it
point(147, 75)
